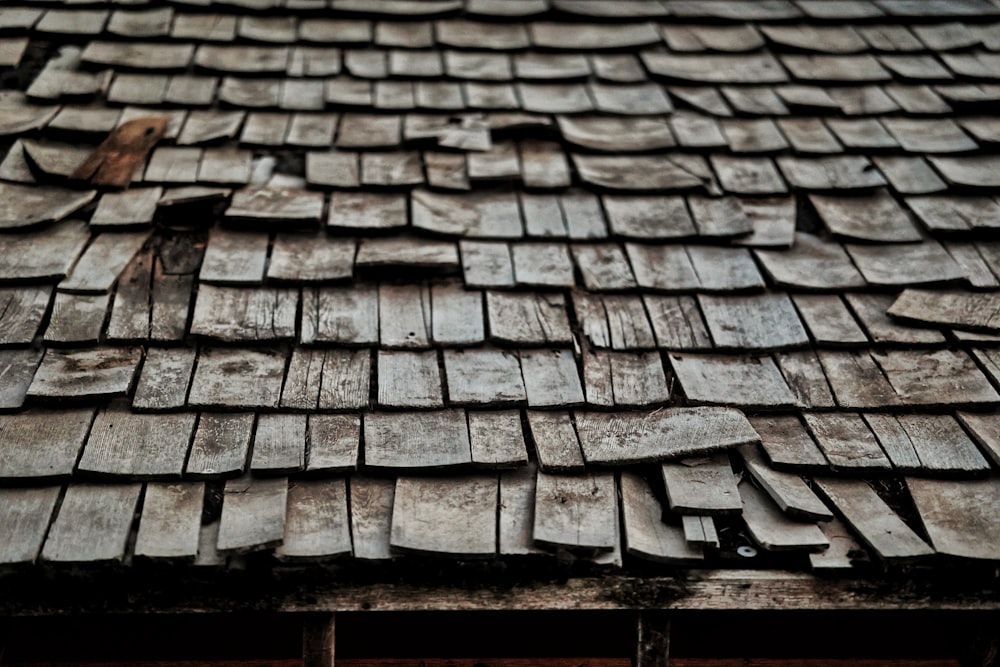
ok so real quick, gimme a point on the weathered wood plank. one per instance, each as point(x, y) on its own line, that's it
point(221, 444)
point(24, 519)
point(557, 446)
point(42, 444)
point(483, 376)
point(843, 551)
point(303, 379)
point(318, 523)
point(788, 444)
point(551, 378)
point(311, 258)
point(45, 254)
point(346, 380)
point(254, 511)
point(856, 381)
point(877, 525)
point(960, 517)
point(960, 310)
point(371, 516)
point(85, 373)
point(828, 320)
point(72, 538)
point(455, 516)
point(623, 438)
point(677, 322)
point(753, 322)
point(334, 443)
point(804, 375)
point(985, 429)
point(279, 444)
point(165, 378)
point(132, 208)
point(702, 486)
point(103, 261)
point(792, 495)
point(942, 377)
point(416, 440)
point(171, 520)
point(77, 318)
point(731, 380)
point(233, 378)
point(774, 531)
point(171, 305)
point(17, 370)
point(942, 446)
point(348, 316)
point(130, 317)
point(575, 512)
point(497, 439)
point(847, 441)
point(404, 316)
point(624, 380)
point(240, 314)
point(456, 315)
point(486, 264)
point(409, 379)
point(517, 512)
point(614, 321)
point(699, 531)
point(137, 446)
point(646, 535)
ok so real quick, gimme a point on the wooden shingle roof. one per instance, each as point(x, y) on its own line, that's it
point(696, 284)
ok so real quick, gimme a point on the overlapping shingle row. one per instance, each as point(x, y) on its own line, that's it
point(636, 280)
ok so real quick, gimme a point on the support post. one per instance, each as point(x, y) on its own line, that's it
point(652, 639)
point(319, 640)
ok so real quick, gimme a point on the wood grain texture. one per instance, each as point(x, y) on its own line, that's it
point(41, 443)
point(409, 379)
point(17, 370)
point(484, 376)
point(137, 446)
point(233, 378)
point(731, 380)
point(232, 314)
point(165, 378)
point(221, 444)
point(446, 516)
point(103, 261)
point(557, 446)
point(517, 512)
point(846, 441)
point(416, 440)
point(372, 499)
point(788, 491)
point(702, 486)
point(576, 512)
point(788, 444)
point(318, 523)
point(21, 313)
point(872, 520)
point(774, 531)
point(623, 438)
point(551, 378)
point(497, 439)
point(348, 316)
point(171, 520)
point(84, 373)
point(346, 379)
point(646, 535)
point(279, 444)
point(334, 442)
point(959, 517)
point(24, 520)
point(77, 318)
point(623, 380)
point(71, 538)
point(528, 319)
point(253, 514)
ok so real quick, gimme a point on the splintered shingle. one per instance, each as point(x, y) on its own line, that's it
point(703, 486)
point(646, 535)
point(576, 511)
point(533, 319)
point(623, 379)
point(625, 438)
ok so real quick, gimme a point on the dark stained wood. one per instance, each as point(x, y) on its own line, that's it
point(42, 444)
point(318, 523)
point(85, 373)
point(774, 531)
point(557, 446)
point(702, 486)
point(483, 376)
point(242, 314)
point(17, 370)
point(764, 322)
point(346, 379)
point(619, 379)
point(646, 535)
point(76, 318)
point(234, 378)
point(24, 521)
point(171, 303)
point(340, 315)
point(957, 515)
point(71, 537)
point(551, 378)
point(115, 161)
point(171, 520)
point(872, 520)
point(164, 381)
point(416, 441)
point(677, 322)
point(21, 312)
point(792, 495)
point(371, 516)
point(532, 319)
point(576, 512)
point(254, 511)
point(454, 516)
point(409, 379)
point(221, 444)
point(103, 262)
point(137, 446)
point(279, 444)
point(496, 439)
point(334, 441)
point(847, 441)
point(731, 380)
point(624, 438)
point(319, 639)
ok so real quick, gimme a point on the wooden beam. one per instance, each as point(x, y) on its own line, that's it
point(652, 640)
point(319, 640)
